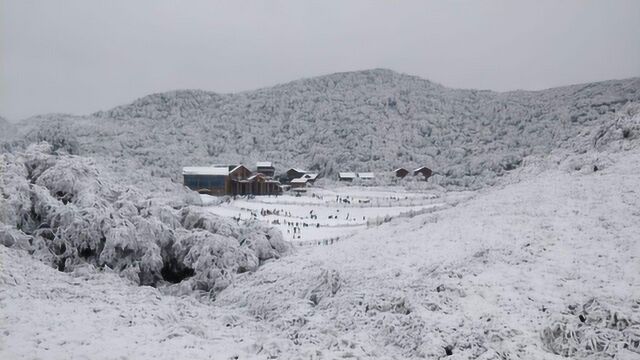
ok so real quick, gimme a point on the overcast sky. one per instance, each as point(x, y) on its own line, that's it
point(83, 56)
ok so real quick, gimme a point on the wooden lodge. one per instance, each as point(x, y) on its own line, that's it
point(366, 176)
point(212, 180)
point(424, 171)
point(299, 182)
point(310, 177)
point(401, 172)
point(266, 168)
point(347, 176)
point(294, 173)
point(229, 180)
point(263, 185)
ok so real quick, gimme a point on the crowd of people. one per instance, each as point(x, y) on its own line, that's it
point(296, 224)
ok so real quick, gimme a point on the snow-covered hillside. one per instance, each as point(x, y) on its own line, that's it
point(510, 274)
point(100, 263)
point(366, 120)
point(548, 264)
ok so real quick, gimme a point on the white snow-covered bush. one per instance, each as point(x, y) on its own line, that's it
point(619, 133)
point(11, 237)
point(215, 258)
point(327, 284)
point(593, 330)
point(67, 212)
point(265, 241)
point(196, 218)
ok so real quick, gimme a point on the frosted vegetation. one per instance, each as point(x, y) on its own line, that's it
point(68, 213)
point(373, 120)
point(543, 265)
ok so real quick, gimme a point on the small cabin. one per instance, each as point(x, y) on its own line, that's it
point(347, 176)
point(266, 168)
point(311, 177)
point(424, 171)
point(294, 173)
point(401, 172)
point(299, 182)
point(366, 176)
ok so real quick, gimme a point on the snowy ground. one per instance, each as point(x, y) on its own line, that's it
point(329, 215)
point(481, 279)
point(46, 314)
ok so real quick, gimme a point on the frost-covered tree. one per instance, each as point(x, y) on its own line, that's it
point(67, 211)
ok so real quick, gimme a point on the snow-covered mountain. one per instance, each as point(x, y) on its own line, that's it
point(544, 265)
point(365, 120)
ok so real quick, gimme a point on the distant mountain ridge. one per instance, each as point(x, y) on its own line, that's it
point(372, 120)
point(7, 129)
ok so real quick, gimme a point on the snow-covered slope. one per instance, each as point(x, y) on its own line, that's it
point(366, 120)
point(47, 314)
point(487, 277)
point(547, 264)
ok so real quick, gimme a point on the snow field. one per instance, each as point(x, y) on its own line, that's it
point(326, 216)
point(506, 274)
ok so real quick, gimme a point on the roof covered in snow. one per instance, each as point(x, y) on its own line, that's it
point(310, 176)
point(236, 168)
point(366, 175)
point(297, 170)
point(254, 176)
point(299, 181)
point(205, 170)
point(264, 164)
point(228, 166)
point(347, 175)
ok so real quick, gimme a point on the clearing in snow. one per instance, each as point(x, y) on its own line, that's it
point(323, 216)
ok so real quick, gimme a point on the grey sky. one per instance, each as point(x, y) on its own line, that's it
point(83, 56)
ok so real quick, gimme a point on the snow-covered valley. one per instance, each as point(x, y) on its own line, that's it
point(100, 259)
point(510, 272)
point(319, 180)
